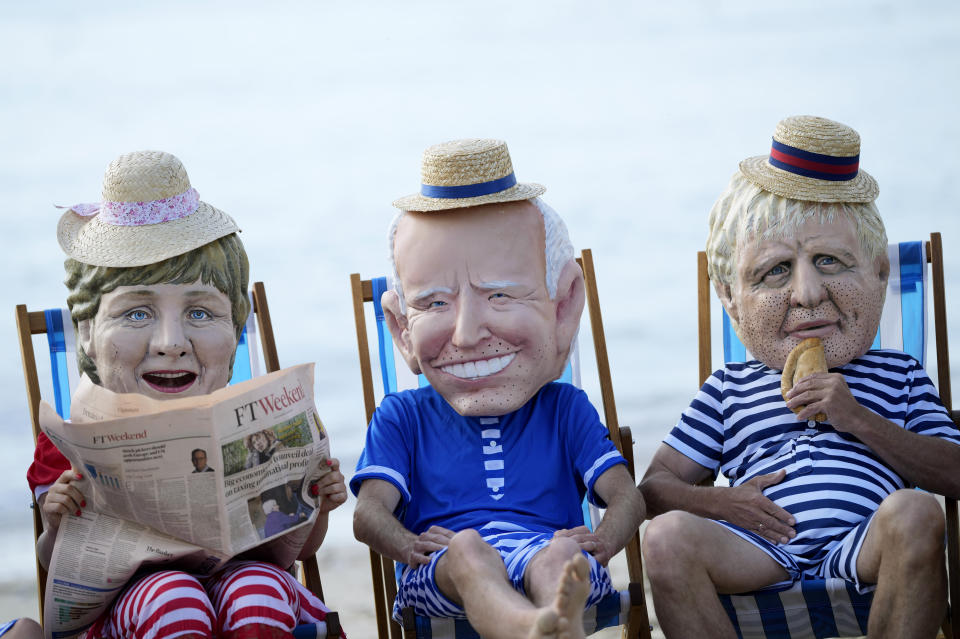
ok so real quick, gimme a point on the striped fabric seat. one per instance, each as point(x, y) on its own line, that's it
point(611, 611)
point(832, 607)
point(808, 608)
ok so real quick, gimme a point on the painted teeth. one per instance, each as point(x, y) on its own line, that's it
point(168, 375)
point(479, 368)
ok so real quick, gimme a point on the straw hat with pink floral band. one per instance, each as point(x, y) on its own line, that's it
point(149, 213)
point(813, 159)
point(465, 173)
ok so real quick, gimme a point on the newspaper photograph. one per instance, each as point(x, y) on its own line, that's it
point(185, 484)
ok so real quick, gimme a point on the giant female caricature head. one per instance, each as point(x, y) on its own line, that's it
point(487, 296)
point(157, 282)
point(796, 247)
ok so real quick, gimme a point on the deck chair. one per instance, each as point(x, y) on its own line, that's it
point(58, 327)
point(832, 608)
point(627, 608)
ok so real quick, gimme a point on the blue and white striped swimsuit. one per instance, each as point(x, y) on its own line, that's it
point(740, 425)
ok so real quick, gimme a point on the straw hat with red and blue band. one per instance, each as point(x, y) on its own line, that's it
point(813, 159)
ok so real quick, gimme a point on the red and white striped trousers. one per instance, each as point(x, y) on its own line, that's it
point(249, 599)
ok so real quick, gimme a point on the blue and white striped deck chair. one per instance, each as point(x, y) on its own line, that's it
point(624, 608)
point(832, 607)
point(257, 336)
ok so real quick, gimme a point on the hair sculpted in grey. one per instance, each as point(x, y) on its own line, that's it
point(558, 249)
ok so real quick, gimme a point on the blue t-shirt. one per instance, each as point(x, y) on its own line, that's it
point(531, 467)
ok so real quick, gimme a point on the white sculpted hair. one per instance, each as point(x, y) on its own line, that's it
point(558, 249)
point(744, 212)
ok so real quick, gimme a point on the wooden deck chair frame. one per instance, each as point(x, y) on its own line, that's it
point(384, 583)
point(30, 323)
point(934, 250)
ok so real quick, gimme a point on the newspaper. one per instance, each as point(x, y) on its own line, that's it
point(149, 504)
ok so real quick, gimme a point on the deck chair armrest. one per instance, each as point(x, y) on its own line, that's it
point(626, 440)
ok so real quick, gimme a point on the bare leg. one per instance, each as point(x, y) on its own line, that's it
point(903, 555)
point(558, 581)
point(689, 559)
point(472, 574)
point(25, 629)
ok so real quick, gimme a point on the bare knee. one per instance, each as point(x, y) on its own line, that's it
point(26, 628)
point(667, 543)
point(560, 550)
point(467, 547)
point(552, 558)
point(911, 522)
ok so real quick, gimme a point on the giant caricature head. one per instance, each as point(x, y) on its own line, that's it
point(487, 296)
point(157, 282)
point(796, 247)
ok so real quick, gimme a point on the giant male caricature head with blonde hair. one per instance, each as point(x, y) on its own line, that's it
point(792, 257)
point(487, 296)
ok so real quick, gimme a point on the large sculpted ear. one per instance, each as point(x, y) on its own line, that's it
point(569, 304)
point(85, 337)
point(883, 269)
point(397, 323)
point(725, 293)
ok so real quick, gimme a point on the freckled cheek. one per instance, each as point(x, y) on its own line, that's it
point(861, 308)
point(763, 317)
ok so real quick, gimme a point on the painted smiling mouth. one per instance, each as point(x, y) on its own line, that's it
point(479, 368)
point(170, 381)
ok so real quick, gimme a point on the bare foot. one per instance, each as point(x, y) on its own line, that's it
point(564, 618)
point(546, 626)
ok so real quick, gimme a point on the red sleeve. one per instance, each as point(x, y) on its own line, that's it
point(48, 464)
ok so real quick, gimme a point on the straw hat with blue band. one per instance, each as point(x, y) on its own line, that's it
point(464, 173)
point(813, 159)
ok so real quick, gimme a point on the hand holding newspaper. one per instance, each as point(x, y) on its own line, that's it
point(185, 483)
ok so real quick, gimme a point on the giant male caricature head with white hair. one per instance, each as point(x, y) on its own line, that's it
point(474, 483)
point(487, 296)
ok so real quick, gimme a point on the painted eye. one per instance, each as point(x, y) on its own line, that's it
point(779, 269)
point(198, 314)
point(826, 260)
point(137, 315)
point(437, 304)
point(495, 296)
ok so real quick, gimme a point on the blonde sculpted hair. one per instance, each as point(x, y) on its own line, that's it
point(746, 213)
point(222, 264)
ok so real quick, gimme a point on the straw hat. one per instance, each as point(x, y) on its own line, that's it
point(813, 159)
point(149, 213)
point(465, 173)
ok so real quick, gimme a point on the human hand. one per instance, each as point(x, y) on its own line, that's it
point(63, 498)
point(826, 393)
point(432, 539)
point(589, 542)
point(746, 506)
point(331, 490)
